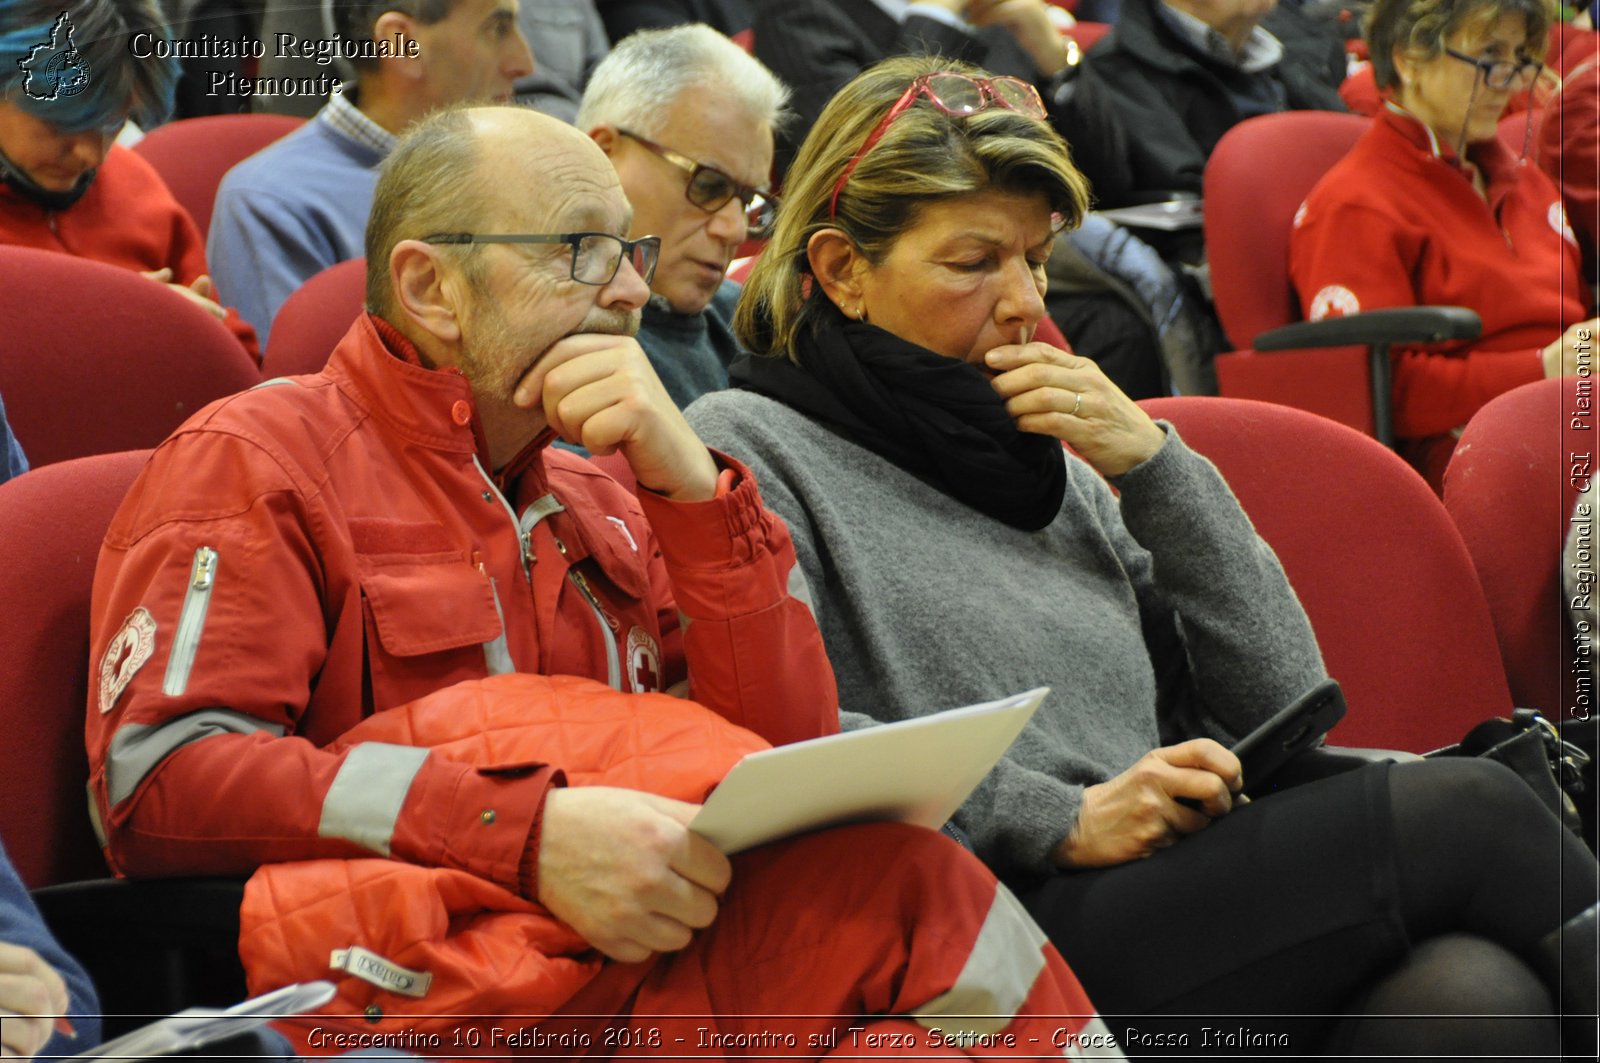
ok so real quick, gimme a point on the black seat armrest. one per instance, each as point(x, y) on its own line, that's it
point(1377, 330)
point(152, 946)
point(1401, 324)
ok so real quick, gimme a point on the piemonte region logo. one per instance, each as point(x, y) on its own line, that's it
point(56, 68)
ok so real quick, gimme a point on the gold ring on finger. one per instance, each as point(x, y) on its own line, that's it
point(1078, 403)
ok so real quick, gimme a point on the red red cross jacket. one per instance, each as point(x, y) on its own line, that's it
point(318, 549)
point(1398, 223)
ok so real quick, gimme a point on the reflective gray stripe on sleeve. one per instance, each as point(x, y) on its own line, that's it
point(998, 975)
point(136, 749)
point(364, 801)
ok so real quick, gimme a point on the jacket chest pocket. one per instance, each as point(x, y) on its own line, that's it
point(429, 621)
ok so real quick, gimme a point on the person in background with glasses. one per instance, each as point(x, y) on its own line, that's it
point(687, 119)
point(1431, 207)
point(314, 583)
point(904, 424)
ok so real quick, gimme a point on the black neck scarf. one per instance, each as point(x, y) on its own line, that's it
point(936, 417)
point(19, 182)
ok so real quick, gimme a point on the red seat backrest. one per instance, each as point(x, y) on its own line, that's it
point(1257, 177)
point(193, 154)
point(52, 521)
point(95, 359)
point(314, 319)
point(1510, 489)
point(1375, 559)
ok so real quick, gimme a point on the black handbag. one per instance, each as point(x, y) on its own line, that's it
point(1531, 746)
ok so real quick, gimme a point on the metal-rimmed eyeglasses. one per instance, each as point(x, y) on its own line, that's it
point(1500, 74)
point(954, 93)
point(710, 189)
point(596, 257)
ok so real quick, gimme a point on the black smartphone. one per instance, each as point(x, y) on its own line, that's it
point(1295, 728)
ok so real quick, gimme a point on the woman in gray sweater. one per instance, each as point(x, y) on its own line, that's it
point(899, 419)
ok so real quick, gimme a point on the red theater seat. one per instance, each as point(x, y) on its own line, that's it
point(192, 154)
point(314, 319)
point(1377, 563)
point(151, 947)
point(95, 359)
point(52, 520)
point(1510, 488)
point(1257, 177)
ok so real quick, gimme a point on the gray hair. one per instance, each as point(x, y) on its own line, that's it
point(634, 86)
point(428, 184)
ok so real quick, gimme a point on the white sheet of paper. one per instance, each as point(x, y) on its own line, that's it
point(915, 771)
point(194, 1027)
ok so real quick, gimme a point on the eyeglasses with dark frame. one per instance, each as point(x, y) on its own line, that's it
point(955, 94)
point(1500, 74)
point(710, 189)
point(596, 257)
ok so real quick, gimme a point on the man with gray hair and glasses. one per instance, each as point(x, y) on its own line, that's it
point(687, 118)
point(364, 627)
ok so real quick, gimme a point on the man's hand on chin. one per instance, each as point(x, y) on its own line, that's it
point(598, 390)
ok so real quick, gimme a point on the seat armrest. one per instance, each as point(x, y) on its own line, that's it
point(151, 946)
point(1321, 762)
point(1401, 324)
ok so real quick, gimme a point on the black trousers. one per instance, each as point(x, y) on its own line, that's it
point(1278, 917)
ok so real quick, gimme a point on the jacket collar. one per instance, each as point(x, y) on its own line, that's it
point(382, 371)
point(1493, 160)
point(1496, 163)
point(403, 352)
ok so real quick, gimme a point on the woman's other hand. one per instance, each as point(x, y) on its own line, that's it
point(1056, 393)
point(1138, 812)
point(1576, 345)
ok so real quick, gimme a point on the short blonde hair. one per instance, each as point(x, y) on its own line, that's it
point(924, 156)
point(1420, 27)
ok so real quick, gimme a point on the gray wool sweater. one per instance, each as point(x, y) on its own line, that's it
point(1154, 619)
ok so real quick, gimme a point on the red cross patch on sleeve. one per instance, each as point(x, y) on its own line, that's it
point(129, 649)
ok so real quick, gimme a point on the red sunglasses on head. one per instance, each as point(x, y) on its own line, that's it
point(955, 94)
